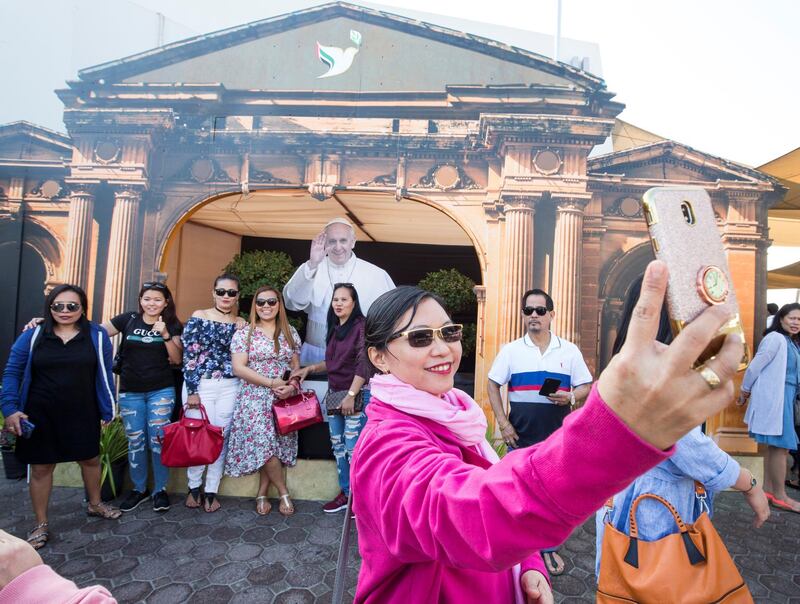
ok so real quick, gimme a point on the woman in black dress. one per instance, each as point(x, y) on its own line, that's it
point(57, 389)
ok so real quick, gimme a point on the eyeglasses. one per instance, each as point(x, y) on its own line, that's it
point(153, 285)
point(539, 310)
point(68, 306)
point(338, 285)
point(232, 293)
point(269, 301)
point(422, 337)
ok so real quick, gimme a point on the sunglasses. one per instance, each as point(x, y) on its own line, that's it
point(269, 301)
point(232, 293)
point(68, 306)
point(422, 337)
point(153, 285)
point(529, 310)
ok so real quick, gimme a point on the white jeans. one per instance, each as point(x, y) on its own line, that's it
point(218, 397)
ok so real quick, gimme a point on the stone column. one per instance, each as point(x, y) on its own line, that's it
point(79, 237)
point(122, 240)
point(518, 260)
point(566, 266)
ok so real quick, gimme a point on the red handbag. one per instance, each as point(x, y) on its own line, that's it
point(296, 412)
point(191, 442)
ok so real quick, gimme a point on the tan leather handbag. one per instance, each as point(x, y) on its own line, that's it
point(689, 567)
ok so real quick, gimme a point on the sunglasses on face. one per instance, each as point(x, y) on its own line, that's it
point(268, 301)
point(422, 337)
point(231, 293)
point(62, 306)
point(539, 310)
point(154, 285)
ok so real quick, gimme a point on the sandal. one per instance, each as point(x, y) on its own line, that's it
point(211, 499)
point(263, 506)
point(554, 567)
point(39, 536)
point(286, 508)
point(103, 510)
point(197, 498)
point(783, 505)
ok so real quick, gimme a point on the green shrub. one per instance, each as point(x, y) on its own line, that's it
point(469, 339)
point(453, 287)
point(261, 267)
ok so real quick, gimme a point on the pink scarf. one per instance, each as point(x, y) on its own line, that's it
point(455, 410)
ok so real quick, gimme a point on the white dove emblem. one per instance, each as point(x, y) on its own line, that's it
point(338, 60)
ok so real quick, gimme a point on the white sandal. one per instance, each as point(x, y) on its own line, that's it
point(286, 504)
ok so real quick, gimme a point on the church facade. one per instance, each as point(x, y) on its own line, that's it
point(416, 133)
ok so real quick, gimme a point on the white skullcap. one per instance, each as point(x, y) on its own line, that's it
point(341, 221)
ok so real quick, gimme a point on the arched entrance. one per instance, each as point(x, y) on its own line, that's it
point(408, 238)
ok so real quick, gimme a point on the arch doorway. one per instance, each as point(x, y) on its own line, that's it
point(407, 238)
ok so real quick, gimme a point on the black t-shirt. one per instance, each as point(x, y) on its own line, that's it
point(145, 362)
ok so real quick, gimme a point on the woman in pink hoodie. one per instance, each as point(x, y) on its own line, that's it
point(441, 519)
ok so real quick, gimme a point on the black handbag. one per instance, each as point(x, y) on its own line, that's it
point(333, 401)
point(116, 367)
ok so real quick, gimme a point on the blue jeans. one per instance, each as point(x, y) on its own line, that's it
point(345, 430)
point(144, 414)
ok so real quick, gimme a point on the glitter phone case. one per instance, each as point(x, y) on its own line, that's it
point(684, 234)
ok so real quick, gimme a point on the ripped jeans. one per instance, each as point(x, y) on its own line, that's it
point(345, 430)
point(144, 414)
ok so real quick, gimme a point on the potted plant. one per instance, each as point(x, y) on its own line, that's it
point(13, 467)
point(113, 458)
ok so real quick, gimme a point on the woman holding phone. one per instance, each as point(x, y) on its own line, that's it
point(441, 519)
point(150, 346)
point(58, 385)
point(264, 355)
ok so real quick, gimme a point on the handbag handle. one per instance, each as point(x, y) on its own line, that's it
point(203, 413)
point(632, 555)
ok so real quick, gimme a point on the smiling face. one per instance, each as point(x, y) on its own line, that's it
point(535, 324)
point(153, 303)
point(791, 322)
point(225, 302)
point(64, 317)
point(339, 243)
point(267, 311)
point(342, 304)
point(429, 368)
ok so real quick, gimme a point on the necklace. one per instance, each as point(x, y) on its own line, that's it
point(222, 312)
point(349, 277)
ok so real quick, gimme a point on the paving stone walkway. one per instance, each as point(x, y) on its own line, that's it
point(237, 556)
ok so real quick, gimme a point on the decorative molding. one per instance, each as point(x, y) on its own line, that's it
point(511, 203)
point(107, 152)
point(446, 176)
point(321, 191)
point(382, 180)
point(547, 161)
point(49, 189)
point(625, 207)
point(203, 170)
point(264, 176)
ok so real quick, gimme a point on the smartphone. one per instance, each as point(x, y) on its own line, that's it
point(549, 387)
point(684, 234)
point(286, 375)
point(26, 428)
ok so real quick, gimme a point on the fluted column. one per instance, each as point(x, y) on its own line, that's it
point(122, 240)
point(79, 237)
point(566, 266)
point(518, 259)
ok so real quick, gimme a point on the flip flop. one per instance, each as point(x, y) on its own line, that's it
point(783, 505)
point(263, 506)
point(552, 565)
point(286, 507)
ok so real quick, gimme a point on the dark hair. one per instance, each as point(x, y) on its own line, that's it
point(281, 320)
point(548, 301)
point(664, 334)
point(333, 320)
point(49, 323)
point(781, 314)
point(169, 315)
point(772, 308)
point(386, 311)
point(228, 277)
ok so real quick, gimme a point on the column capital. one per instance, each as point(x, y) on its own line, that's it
point(128, 193)
point(571, 203)
point(519, 203)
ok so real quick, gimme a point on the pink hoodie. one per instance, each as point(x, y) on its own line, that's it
point(42, 585)
point(437, 522)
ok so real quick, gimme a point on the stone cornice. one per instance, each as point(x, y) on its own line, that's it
point(499, 129)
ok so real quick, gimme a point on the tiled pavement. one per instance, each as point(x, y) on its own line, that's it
point(236, 556)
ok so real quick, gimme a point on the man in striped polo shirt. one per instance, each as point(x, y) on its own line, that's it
point(524, 364)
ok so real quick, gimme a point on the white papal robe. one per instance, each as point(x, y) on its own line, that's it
point(311, 290)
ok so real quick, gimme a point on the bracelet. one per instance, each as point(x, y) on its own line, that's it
point(166, 339)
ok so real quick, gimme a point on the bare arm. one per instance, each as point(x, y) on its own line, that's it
point(110, 329)
point(496, 401)
point(240, 369)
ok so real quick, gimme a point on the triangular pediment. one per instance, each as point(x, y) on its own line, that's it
point(341, 47)
point(26, 141)
point(668, 160)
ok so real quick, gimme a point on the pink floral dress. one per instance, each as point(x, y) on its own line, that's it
point(253, 439)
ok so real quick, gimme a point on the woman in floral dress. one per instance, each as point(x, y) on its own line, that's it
point(261, 356)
